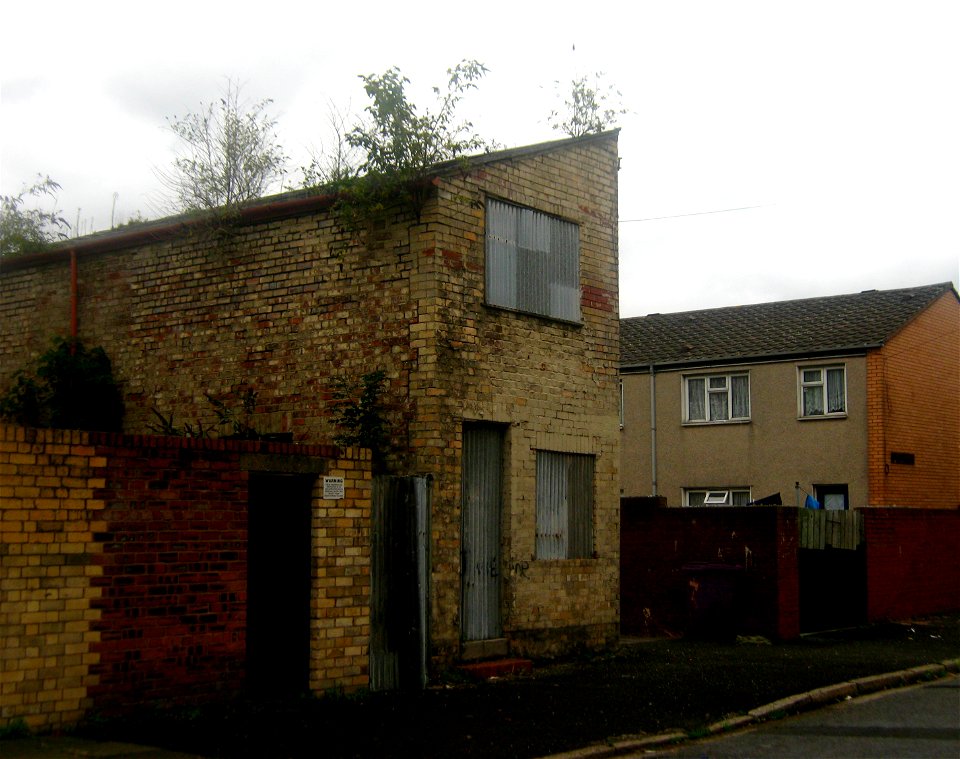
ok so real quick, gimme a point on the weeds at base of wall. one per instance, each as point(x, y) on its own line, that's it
point(339, 694)
point(16, 728)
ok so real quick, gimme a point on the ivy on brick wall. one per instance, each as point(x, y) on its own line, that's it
point(71, 387)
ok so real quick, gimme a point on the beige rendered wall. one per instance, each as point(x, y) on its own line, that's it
point(770, 453)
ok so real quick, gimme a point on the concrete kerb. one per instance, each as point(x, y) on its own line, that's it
point(783, 707)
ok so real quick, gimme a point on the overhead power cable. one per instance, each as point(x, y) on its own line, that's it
point(695, 213)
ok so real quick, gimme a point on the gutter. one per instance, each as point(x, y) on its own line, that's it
point(768, 358)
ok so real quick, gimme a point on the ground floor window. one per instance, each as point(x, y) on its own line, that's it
point(564, 505)
point(716, 496)
point(832, 497)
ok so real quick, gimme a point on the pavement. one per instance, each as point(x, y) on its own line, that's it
point(888, 715)
point(916, 722)
point(65, 747)
point(941, 684)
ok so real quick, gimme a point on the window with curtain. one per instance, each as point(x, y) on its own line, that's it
point(564, 505)
point(823, 391)
point(717, 398)
point(532, 262)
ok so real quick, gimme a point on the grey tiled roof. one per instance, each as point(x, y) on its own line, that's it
point(812, 326)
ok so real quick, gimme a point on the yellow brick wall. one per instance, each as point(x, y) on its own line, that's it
point(48, 514)
point(553, 386)
point(340, 635)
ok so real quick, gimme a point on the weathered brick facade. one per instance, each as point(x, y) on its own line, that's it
point(124, 567)
point(290, 299)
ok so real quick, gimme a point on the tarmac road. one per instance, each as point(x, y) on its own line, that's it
point(916, 722)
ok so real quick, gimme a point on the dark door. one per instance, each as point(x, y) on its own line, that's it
point(481, 500)
point(278, 584)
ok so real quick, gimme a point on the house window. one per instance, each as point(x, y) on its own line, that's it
point(716, 497)
point(533, 262)
point(564, 505)
point(823, 391)
point(717, 398)
point(832, 497)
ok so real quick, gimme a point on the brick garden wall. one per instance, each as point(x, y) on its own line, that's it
point(124, 569)
point(663, 551)
point(912, 565)
point(50, 508)
point(913, 562)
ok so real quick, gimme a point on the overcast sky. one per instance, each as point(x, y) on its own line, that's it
point(773, 150)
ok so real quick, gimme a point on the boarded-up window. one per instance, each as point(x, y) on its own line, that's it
point(532, 262)
point(564, 505)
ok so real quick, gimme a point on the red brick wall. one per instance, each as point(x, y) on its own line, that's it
point(658, 543)
point(173, 588)
point(913, 562)
point(913, 406)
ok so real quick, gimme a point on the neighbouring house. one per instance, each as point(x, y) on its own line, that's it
point(849, 400)
point(492, 311)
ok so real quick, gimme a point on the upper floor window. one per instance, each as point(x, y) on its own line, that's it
point(717, 398)
point(532, 262)
point(823, 391)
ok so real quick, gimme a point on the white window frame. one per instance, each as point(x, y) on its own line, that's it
point(717, 496)
point(806, 381)
point(532, 262)
point(726, 390)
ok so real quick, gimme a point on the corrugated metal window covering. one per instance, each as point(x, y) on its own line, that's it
point(533, 262)
point(564, 505)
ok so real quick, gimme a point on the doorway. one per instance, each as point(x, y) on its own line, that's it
point(481, 504)
point(278, 583)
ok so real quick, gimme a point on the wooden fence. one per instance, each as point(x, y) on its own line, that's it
point(830, 529)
